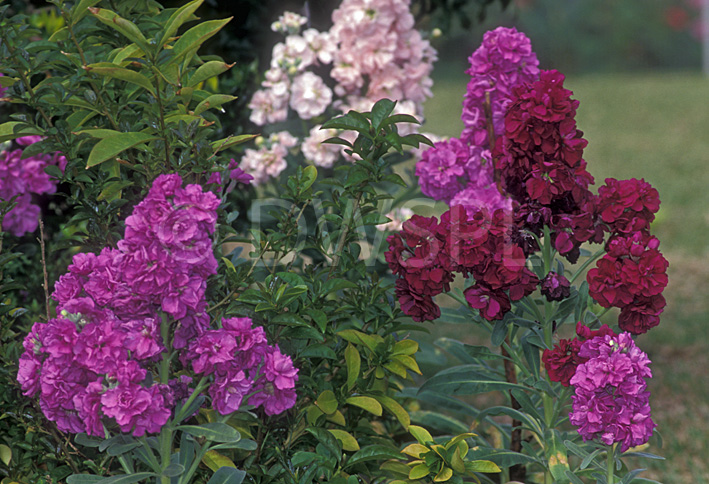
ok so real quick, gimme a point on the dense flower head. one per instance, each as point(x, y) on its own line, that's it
point(627, 206)
point(503, 60)
point(269, 160)
point(441, 169)
point(22, 178)
point(555, 287)
point(611, 401)
point(561, 361)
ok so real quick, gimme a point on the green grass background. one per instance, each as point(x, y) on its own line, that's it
point(656, 127)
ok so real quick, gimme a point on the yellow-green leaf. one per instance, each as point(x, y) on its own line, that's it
point(7, 81)
point(113, 190)
point(481, 466)
point(60, 35)
point(187, 118)
point(127, 52)
point(98, 132)
point(7, 131)
point(415, 450)
point(396, 368)
point(367, 403)
point(81, 9)
point(170, 72)
point(395, 467)
point(337, 418)
point(213, 101)
point(419, 471)
point(179, 17)
point(420, 434)
point(457, 462)
point(405, 347)
point(327, 402)
point(445, 474)
point(313, 413)
point(125, 27)
point(459, 438)
point(123, 74)
point(214, 460)
point(191, 40)
point(112, 146)
point(349, 443)
point(230, 141)
point(407, 362)
point(5, 454)
point(354, 362)
point(207, 71)
point(396, 409)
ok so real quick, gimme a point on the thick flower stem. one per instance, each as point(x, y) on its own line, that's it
point(517, 472)
point(610, 477)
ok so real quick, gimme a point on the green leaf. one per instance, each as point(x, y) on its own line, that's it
point(207, 71)
point(556, 456)
point(123, 74)
point(179, 17)
point(310, 174)
point(374, 452)
point(572, 477)
point(196, 36)
point(399, 118)
point(112, 146)
point(230, 141)
point(482, 466)
point(7, 131)
point(367, 403)
point(214, 460)
point(419, 472)
point(125, 27)
point(501, 457)
point(81, 9)
point(213, 101)
point(349, 443)
point(395, 408)
point(353, 361)
point(445, 474)
point(405, 347)
point(126, 479)
point(380, 111)
point(127, 52)
point(215, 431)
point(5, 454)
point(227, 475)
point(421, 434)
point(173, 470)
point(350, 121)
point(466, 380)
point(83, 479)
point(531, 423)
point(327, 402)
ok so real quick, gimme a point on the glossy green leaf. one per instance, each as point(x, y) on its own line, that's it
point(213, 101)
point(81, 10)
point(419, 472)
point(443, 475)
point(179, 17)
point(380, 111)
point(374, 452)
point(349, 443)
point(227, 475)
point(354, 362)
point(230, 141)
point(207, 71)
point(127, 52)
point(214, 460)
point(7, 131)
point(196, 36)
point(396, 409)
point(112, 146)
point(125, 27)
point(405, 347)
point(5, 454)
point(420, 434)
point(482, 466)
point(367, 403)
point(327, 402)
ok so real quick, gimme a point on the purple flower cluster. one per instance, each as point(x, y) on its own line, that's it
point(22, 178)
point(461, 171)
point(611, 401)
point(92, 362)
point(242, 362)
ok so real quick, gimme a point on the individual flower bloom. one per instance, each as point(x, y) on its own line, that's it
point(611, 401)
point(584, 333)
point(419, 306)
point(274, 400)
point(628, 205)
point(440, 169)
point(262, 164)
point(23, 218)
point(59, 382)
point(606, 285)
point(215, 178)
point(180, 387)
point(642, 314)
point(82, 264)
point(67, 287)
point(247, 337)
point(125, 403)
point(210, 349)
point(320, 44)
point(278, 369)
point(195, 323)
point(142, 338)
point(152, 419)
point(237, 174)
point(228, 391)
point(289, 23)
point(492, 304)
point(320, 153)
point(555, 287)
point(183, 293)
point(310, 96)
point(99, 347)
point(397, 218)
point(267, 107)
point(59, 338)
point(29, 368)
point(561, 361)
point(88, 405)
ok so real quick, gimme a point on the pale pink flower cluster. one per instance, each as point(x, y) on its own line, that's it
point(289, 23)
point(269, 160)
point(317, 152)
point(398, 216)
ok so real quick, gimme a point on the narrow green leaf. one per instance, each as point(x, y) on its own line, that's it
point(173, 470)
point(127, 479)
point(230, 141)
point(112, 146)
point(353, 361)
point(127, 52)
point(125, 27)
point(179, 17)
point(395, 408)
point(196, 36)
point(123, 74)
point(374, 452)
point(83, 479)
point(112, 190)
point(7, 131)
point(207, 71)
point(81, 9)
point(215, 431)
point(213, 101)
point(557, 457)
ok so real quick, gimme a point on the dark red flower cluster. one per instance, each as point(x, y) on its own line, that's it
point(555, 287)
point(417, 256)
point(561, 361)
point(540, 159)
point(627, 206)
point(631, 276)
point(426, 254)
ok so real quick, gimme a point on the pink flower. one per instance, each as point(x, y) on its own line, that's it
point(309, 95)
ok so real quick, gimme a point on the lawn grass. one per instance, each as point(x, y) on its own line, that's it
point(652, 126)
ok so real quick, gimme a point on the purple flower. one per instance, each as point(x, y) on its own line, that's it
point(555, 287)
point(212, 348)
point(441, 167)
point(611, 401)
point(142, 338)
point(229, 390)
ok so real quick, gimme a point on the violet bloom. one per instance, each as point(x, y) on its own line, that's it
point(228, 391)
point(441, 167)
point(611, 401)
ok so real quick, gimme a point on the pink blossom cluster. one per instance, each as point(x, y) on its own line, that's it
point(611, 401)
point(21, 178)
point(269, 160)
point(426, 254)
point(372, 51)
point(242, 362)
point(93, 361)
point(461, 171)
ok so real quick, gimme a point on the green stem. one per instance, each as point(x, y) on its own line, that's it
point(587, 263)
point(343, 235)
point(610, 477)
point(546, 250)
